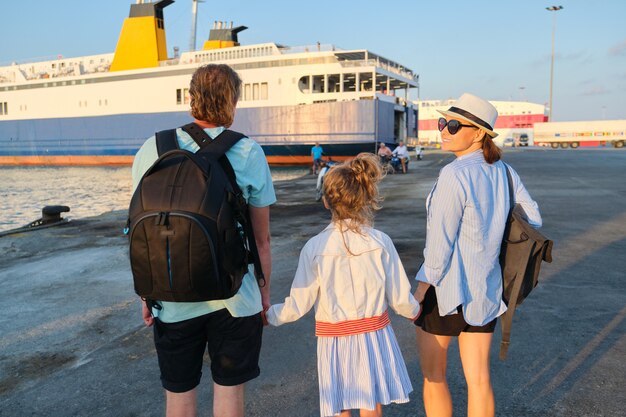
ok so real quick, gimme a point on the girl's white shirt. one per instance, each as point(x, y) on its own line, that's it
point(347, 277)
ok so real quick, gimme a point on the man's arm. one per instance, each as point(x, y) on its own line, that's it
point(260, 218)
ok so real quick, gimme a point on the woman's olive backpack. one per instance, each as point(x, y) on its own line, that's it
point(523, 250)
point(189, 228)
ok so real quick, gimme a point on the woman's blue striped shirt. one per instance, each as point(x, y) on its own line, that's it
point(467, 210)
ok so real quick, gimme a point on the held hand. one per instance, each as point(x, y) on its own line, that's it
point(146, 314)
point(265, 298)
point(264, 318)
point(420, 292)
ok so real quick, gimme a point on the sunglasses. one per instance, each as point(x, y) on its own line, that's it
point(453, 125)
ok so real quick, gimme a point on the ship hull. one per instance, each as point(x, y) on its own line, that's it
point(286, 133)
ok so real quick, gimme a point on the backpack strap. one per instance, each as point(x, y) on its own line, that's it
point(217, 148)
point(166, 141)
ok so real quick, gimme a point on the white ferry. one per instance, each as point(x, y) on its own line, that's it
point(98, 109)
point(516, 119)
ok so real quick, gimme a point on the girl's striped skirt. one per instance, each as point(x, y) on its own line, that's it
point(360, 370)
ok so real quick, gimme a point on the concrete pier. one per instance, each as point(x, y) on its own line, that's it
point(72, 342)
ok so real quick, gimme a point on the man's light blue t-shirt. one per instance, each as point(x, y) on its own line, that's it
point(255, 180)
point(317, 152)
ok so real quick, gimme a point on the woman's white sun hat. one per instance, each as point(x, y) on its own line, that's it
point(474, 110)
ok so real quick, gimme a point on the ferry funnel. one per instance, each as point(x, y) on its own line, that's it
point(142, 39)
point(223, 36)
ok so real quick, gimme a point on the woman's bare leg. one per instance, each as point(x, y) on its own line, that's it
point(433, 354)
point(474, 349)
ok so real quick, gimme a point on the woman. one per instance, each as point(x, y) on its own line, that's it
point(460, 281)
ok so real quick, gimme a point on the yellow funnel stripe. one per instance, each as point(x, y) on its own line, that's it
point(141, 44)
point(219, 44)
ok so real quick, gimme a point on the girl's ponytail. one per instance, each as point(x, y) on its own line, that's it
point(351, 190)
point(368, 172)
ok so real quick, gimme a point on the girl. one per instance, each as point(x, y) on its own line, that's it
point(460, 281)
point(350, 272)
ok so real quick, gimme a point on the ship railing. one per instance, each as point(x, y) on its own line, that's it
point(169, 62)
point(308, 48)
point(7, 78)
point(377, 63)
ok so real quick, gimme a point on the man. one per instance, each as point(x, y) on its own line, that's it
point(384, 153)
point(403, 154)
point(316, 153)
point(231, 328)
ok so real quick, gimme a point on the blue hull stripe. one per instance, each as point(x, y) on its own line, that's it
point(344, 128)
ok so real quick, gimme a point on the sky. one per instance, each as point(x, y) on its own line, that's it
point(499, 50)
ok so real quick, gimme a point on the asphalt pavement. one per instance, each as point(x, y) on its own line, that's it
point(72, 342)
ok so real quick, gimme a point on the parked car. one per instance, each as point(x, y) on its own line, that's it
point(523, 139)
point(508, 142)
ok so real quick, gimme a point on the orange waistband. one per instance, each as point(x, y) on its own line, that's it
point(350, 327)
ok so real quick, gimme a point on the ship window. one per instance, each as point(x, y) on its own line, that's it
point(366, 81)
point(349, 82)
point(186, 95)
point(2, 108)
point(263, 91)
point(179, 96)
point(246, 92)
point(333, 83)
point(255, 91)
point(318, 84)
point(303, 84)
point(381, 84)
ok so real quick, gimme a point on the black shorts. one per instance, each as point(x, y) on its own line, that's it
point(234, 344)
point(452, 325)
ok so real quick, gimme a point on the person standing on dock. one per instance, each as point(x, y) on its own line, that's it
point(316, 152)
point(230, 328)
point(460, 281)
point(352, 273)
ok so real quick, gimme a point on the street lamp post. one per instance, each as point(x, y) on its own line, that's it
point(552, 9)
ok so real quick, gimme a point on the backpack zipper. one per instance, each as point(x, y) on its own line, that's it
point(188, 217)
point(169, 262)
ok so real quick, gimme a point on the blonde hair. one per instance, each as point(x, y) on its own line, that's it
point(214, 91)
point(351, 191)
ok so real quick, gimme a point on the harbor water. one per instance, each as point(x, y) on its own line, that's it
point(88, 191)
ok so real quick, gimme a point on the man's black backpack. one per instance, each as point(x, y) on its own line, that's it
point(523, 249)
point(189, 228)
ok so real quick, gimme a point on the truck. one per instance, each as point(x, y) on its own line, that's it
point(575, 134)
